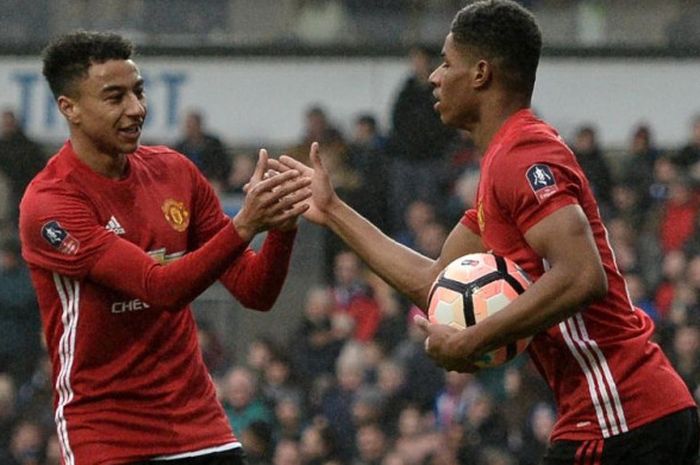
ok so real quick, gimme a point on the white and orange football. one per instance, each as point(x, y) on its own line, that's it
point(473, 287)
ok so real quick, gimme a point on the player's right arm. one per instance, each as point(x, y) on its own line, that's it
point(61, 233)
point(406, 270)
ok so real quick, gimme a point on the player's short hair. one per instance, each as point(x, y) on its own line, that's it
point(505, 32)
point(69, 57)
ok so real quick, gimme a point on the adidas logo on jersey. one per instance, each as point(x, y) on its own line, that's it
point(114, 226)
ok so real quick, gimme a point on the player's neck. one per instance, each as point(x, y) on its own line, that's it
point(109, 165)
point(492, 117)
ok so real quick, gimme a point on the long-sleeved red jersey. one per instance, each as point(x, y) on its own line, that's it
point(606, 374)
point(115, 264)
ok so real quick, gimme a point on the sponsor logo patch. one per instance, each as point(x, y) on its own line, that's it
point(542, 182)
point(59, 238)
point(176, 214)
point(114, 226)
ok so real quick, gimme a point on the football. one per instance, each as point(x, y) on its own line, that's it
point(473, 287)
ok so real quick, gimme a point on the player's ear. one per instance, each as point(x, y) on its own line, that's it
point(69, 109)
point(482, 74)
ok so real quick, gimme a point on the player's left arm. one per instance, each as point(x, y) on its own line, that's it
point(575, 277)
point(255, 278)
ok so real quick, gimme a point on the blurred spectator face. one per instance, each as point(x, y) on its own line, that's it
point(259, 354)
point(53, 451)
point(410, 420)
point(419, 214)
point(9, 124)
point(364, 132)
point(390, 377)
point(393, 458)
point(584, 142)
point(480, 410)
point(371, 443)
point(239, 388)
point(456, 382)
point(686, 342)
point(679, 192)
point(421, 63)
point(316, 124)
point(7, 396)
point(674, 264)
point(430, 239)
point(543, 419)
point(641, 140)
point(288, 411)
point(26, 443)
point(696, 132)
point(346, 268)
point(635, 287)
point(242, 169)
point(319, 305)
point(624, 198)
point(664, 170)
point(693, 272)
point(287, 453)
point(350, 376)
point(193, 125)
point(277, 372)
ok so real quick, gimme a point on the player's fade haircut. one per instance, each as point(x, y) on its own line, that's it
point(505, 32)
point(69, 57)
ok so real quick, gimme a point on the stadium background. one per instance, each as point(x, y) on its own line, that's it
point(254, 69)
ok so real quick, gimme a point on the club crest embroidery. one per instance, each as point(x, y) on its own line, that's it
point(480, 217)
point(176, 214)
point(59, 238)
point(542, 182)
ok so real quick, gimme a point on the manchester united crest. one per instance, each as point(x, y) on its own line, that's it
point(176, 214)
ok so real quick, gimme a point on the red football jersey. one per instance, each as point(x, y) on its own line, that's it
point(606, 374)
point(129, 377)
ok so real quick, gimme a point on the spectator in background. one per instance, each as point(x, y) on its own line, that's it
point(20, 326)
point(315, 344)
point(8, 409)
point(371, 443)
point(677, 214)
point(353, 295)
point(20, 159)
point(638, 168)
point(591, 158)
point(259, 443)
point(539, 426)
point(242, 169)
point(26, 444)
point(417, 215)
point(689, 155)
point(685, 355)
point(287, 452)
point(318, 443)
point(241, 400)
point(205, 150)
point(367, 157)
point(639, 295)
point(417, 143)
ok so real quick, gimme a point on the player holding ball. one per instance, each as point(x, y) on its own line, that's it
point(619, 399)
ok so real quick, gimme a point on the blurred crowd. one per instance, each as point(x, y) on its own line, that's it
point(351, 384)
point(302, 23)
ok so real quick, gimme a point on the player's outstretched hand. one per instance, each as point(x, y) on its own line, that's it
point(437, 346)
point(272, 201)
point(323, 196)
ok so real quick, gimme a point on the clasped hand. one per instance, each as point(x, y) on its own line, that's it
point(272, 201)
point(445, 345)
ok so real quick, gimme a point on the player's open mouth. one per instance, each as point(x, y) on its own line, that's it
point(131, 132)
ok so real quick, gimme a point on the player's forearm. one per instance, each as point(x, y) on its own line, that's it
point(556, 296)
point(256, 279)
point(126, 268)
point(404, 269)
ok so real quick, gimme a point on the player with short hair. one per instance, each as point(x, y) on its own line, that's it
point(619, 399)
point(120, 238)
